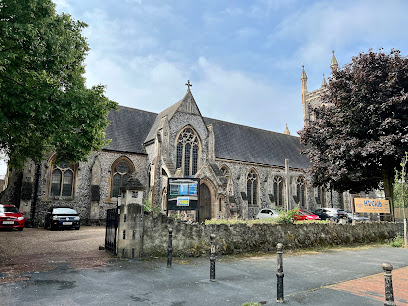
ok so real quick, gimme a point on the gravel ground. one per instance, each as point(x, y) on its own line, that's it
point(36, 249)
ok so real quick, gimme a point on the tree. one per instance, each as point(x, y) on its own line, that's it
point(400, 197)
point(361, 133)
point(44, 103)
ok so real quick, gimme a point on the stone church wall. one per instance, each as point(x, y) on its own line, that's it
point(81, 199)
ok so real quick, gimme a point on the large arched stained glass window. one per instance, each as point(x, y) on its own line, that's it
point(188, 152)
point(122, 168)
point(278, 190)
point(62, 179)
point(252, 188)
point(301, 191)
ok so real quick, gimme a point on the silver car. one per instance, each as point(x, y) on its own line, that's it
point(267, 213)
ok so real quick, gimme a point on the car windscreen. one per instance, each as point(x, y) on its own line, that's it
point(8, 209)
point(64, 211)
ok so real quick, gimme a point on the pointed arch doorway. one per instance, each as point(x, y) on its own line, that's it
point(205, 203)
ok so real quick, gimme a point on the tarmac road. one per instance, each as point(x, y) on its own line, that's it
point(339, 277)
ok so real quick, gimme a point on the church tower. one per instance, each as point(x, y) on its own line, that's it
point(311, 100)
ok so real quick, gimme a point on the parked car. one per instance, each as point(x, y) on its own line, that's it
point(267, 213)
point(333, 214)
point(356, 218)
point(305, 215)
point(61, 218)
point(11, 218)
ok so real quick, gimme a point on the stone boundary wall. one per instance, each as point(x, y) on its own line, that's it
point(193, 239)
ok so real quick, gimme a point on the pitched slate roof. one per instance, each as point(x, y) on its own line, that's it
point(169, 112)
point(243, 143)
point(128, 129)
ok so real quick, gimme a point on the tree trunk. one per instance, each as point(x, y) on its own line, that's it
point(388, 180)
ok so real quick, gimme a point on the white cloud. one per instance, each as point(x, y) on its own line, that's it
point(336, 25)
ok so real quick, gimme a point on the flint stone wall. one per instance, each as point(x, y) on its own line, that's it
point(194, 239)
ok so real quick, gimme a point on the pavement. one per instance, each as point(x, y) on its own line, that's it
point(335, 277)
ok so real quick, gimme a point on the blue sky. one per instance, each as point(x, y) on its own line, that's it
point(244, 58)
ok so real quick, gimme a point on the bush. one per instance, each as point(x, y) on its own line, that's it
point(149, 207)
point(397, 242)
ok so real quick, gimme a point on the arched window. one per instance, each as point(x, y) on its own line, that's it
point(230, 185)
point(278, 190)
point(121, 170)
point(321, 196)
point(187, 152)
point(252, 188)
point(62, 179)
point(300, 190)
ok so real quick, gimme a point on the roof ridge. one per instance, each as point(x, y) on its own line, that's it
point(251, 127)
point(137, 109)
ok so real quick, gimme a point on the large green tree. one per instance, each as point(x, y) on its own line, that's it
point(360, 136)
point(44, 103)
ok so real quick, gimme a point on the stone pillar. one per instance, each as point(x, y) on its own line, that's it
point(287, 183)
point(95, 190)
point(130, 228)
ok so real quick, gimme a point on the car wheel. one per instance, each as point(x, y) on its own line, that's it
point(20, 228)
point(77, 228)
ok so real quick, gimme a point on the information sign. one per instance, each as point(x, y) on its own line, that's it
point(365, 205)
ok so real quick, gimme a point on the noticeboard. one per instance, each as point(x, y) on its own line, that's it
point(183, 194)
point(365, 205)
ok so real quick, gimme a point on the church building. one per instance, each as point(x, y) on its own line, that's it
point(241, 169)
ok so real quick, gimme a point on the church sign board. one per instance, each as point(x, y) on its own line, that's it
point(365, 205)
point(183, 194)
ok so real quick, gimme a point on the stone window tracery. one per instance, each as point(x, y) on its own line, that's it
point(252, 188)
point(278, 190)
point(301, 191)
point(121, 170)
point(188, 152)
point(62, 179)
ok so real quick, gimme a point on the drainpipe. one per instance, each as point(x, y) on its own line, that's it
point(36, 184)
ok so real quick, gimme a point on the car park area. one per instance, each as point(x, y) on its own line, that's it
point(37, 249)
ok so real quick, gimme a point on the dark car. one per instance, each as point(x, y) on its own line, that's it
point(333, 214)
point(357, 218)
point(11, 218)
point(61, 218)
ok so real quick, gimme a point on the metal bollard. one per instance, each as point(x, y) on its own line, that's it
point(279, 274)
point(170, 248)
point(212, 258)
point(389, 291)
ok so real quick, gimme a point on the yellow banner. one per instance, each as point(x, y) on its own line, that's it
point(372, 205)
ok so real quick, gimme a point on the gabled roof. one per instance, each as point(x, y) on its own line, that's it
point(248, 144)
point(128, 129)
point(170, 111)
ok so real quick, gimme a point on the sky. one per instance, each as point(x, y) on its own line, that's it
point(244, 58)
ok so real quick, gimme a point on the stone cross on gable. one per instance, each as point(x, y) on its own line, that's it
point(188, 84)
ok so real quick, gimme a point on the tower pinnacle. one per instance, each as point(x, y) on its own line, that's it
point(334, 65)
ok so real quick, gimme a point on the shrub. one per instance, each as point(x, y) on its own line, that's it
point(397, 242)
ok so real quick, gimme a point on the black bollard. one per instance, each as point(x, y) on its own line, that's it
point(389, 291)
point(212, 258)
point(279, 274)
point(170, 248)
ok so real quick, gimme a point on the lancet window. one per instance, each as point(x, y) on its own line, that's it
point(278, 190)
point(252, 188)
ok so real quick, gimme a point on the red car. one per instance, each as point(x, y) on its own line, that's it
point(11, 218)
point(305, 215)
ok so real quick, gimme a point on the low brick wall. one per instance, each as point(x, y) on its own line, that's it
point(193, 239)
